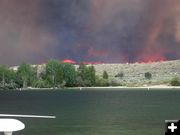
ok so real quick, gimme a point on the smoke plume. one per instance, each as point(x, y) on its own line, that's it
point(89, 30)
point(21, 36)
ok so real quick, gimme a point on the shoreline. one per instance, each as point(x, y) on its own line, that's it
point(155, 87)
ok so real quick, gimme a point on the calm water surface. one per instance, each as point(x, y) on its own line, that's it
point(128, 112)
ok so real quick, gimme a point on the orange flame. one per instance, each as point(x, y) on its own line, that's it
point(69, 61)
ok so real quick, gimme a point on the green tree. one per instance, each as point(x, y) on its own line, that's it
point(3, 75)
point(54, 73)
point(69, 74)
point(11, 79)
point(86, 75)
point(82, 71)
point(7, 77)
point(105, 75)
point(25, 75)
point(91, 75)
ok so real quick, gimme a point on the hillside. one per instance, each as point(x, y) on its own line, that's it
point(134, 74)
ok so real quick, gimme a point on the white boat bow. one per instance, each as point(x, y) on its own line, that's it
point(8, 126)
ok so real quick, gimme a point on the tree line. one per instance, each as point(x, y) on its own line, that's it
point(59, 75)
point(54, 75)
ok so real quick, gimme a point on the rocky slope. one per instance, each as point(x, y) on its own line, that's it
point(134, 74)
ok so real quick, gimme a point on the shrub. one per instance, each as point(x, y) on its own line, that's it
point(175, 82)
point(41, 84)
point(120, 75)
point(83, 83)
point(8, 86)
point(62, 85)
point(114, 83)
point(101, 82)
point(148, 75)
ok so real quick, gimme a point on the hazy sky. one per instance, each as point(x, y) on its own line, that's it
point(89, 30)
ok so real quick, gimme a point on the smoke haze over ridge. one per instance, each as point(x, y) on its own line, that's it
point(89, 30)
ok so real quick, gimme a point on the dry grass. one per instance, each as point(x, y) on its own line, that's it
point(134, 74)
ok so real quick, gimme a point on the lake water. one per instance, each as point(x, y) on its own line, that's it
point(93, 112)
